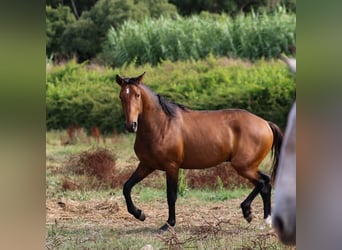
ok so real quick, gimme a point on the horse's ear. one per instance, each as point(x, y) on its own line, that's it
point(139, 78)
point(118, 80)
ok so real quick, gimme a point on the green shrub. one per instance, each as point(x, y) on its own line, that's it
point(251, 36)
point(76, 95)
point(88, 96)
point(182, 186)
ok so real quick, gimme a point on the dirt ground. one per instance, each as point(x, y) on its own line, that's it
point(104, 223)
point(113, 212)
point(195, 220)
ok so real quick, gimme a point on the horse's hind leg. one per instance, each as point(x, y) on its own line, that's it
point(265, 193)
point(246, 204)
point(262, 186)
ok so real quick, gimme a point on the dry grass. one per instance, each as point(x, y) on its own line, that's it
point(84, 213)
point(223, 174)
point(95, 210)
point(100, 164)
point(94, 169)
point(218, 225)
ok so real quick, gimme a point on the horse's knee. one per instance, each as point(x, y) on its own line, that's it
point(266, 189)
point(266, 178)
point(265, 182)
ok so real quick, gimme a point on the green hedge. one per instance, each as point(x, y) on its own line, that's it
point(88, 95)
point(252, 36)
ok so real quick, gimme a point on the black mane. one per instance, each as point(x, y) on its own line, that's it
point(169, 107)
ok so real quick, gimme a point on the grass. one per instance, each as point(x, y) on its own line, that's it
point(217, 234)
point(99, 237)
point(96, 237)
point(96, 218)
point(219, 195)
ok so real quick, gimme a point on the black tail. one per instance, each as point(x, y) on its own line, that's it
point(276, 146)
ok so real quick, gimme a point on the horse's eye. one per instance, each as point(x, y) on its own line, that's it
point(137, 95)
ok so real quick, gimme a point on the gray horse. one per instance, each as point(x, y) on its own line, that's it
point(284, 213)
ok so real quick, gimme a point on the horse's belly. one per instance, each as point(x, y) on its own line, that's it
point(199, 158)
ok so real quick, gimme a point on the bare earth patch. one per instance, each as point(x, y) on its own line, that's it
point(113, 212)
point(196, 221)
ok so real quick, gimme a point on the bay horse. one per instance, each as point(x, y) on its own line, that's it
point(284, 216)
point(170, 136)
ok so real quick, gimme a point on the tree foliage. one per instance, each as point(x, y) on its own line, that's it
point(231, 7)
point(79, 5)
point(81, 38)
point(84, 37)
point(57, 19)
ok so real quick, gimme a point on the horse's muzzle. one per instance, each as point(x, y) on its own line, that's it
point(132, 127)
point(285, 228)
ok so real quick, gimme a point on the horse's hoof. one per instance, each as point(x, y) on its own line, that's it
point(164, 228)
point(142, 216)
point(268, 221)
point(249, 218)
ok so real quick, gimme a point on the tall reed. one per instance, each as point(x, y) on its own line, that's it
point(249, 36)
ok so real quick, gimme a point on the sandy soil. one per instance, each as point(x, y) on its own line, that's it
point(112, 212)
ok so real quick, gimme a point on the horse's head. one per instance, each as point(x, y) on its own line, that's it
point(131, 101)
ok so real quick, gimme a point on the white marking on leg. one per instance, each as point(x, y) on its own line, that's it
point(268, 221)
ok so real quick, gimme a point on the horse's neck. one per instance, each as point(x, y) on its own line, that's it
point(153, 118)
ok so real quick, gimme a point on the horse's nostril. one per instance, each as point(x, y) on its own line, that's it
point(134, 125)
point(278, 224)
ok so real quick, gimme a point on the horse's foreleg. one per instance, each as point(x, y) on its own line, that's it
point(140, 173)
point(171, 184)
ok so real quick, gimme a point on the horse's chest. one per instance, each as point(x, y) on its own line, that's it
point(158, 154)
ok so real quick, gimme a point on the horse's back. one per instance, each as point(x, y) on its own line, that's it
point(232, 123)
point(212, 137)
